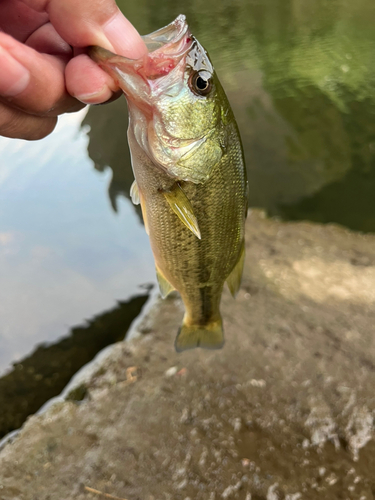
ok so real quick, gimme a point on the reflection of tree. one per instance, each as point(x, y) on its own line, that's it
point(108, 146)
point(317, 145)
point(300, 76)
point(44, 374)
point(350, 200)
point(318, 69)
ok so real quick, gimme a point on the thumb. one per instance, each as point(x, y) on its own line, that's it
point(95, 22)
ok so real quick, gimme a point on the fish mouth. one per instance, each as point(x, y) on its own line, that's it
point(168, 37)
point(166, 47)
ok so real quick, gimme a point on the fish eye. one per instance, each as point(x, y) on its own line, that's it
point(200, 83)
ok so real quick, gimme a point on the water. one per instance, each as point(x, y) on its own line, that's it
point(64, 255)
point(300, 77)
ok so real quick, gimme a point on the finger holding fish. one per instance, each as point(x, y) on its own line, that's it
point(44, 69)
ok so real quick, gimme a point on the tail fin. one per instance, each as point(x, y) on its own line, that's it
point(210, 336)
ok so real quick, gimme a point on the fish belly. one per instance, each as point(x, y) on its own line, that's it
point(197, 268)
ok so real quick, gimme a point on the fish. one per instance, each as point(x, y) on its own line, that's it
point(190, 176)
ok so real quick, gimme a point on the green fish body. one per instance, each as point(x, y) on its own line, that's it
point(189, 173)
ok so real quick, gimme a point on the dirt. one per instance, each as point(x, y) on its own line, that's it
point(284, 411)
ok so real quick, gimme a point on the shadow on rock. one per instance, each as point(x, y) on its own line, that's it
point(44, 374)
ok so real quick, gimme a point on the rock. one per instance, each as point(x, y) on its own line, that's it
point(289, 399)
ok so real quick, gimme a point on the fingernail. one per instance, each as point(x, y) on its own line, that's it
point(14, 77)
point(96, 97)
point(124, 38)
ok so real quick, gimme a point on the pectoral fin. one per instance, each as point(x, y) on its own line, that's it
point(234, 279)
point(137, 199)
point(164, 286)
point(134, 193)
point(181, 206)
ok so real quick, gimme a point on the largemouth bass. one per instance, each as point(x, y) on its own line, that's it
point(189, 171)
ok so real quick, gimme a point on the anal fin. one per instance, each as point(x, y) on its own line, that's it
point(234, 279)
point(164, 286)
point(181, 206)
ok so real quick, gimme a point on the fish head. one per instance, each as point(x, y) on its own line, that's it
point(176, 104)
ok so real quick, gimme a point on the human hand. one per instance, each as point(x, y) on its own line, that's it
point(44, 71)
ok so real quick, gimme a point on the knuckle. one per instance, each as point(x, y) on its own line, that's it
point(41, 128)
point(7, 121)
point(18, 125)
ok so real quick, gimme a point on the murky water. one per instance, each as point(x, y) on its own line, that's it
point(300, 76)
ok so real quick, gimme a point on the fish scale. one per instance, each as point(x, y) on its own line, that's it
point(184, 259)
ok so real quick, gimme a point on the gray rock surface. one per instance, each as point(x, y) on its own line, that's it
point(284, 411)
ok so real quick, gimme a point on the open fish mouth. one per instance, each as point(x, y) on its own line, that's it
point(166, 47)
point(170, 37)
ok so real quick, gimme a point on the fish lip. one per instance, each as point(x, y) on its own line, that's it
point(173, 41)
point(168, 35)
point(167, 47)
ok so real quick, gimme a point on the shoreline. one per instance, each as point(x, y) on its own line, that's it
point(85, 373)
point(285, 410)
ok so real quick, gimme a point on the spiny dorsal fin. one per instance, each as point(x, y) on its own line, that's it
point(164, 286)
point(181, 206)
point(134, 193)
point(234, 279)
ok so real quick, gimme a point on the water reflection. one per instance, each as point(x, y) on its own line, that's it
point(300, 78)
point(44, 374)
point(64, 256)
point(108, 147)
